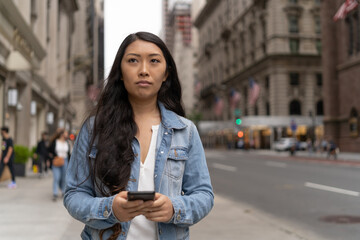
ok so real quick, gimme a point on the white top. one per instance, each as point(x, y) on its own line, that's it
point(62, 148)
point(140, 227)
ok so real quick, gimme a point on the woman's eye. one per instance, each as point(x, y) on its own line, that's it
point(132, 60)
point(155, 61)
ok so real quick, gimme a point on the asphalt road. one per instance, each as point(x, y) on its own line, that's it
point(312, 196)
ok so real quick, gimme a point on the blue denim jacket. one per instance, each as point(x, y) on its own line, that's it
point(181, 173)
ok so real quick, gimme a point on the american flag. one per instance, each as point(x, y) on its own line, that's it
point(234, 98)
point(219, 106)
point(254, 91)
point(345, 8)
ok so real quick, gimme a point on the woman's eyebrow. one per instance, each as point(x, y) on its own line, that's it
point(150, 55)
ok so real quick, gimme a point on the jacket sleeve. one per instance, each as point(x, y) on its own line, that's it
point(198, 198)
point(80, 198)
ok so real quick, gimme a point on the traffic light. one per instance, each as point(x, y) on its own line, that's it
point(240, 134)
point(238, 121)
point(237, 113)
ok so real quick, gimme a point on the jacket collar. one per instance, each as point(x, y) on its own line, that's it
point(170, 119)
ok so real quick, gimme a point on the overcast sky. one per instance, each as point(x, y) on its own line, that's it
point(123, 17)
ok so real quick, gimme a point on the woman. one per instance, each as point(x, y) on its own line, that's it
point(59, 148)
point(138, 139)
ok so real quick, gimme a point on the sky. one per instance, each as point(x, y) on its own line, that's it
point(122, 17)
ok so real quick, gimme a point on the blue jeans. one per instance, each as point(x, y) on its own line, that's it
point(59, 178)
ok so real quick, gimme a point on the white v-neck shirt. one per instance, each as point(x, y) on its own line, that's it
point(140, 227)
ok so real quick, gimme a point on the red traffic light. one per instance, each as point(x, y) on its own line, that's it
point(240, 134)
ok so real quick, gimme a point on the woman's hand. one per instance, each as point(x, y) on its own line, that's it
point(161, 210)
point(125, 210)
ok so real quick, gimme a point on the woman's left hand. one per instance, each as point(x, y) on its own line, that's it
point(161, 210)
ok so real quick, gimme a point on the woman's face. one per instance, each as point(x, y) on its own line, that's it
point(143, 69)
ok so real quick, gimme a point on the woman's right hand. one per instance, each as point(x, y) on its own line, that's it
point(125, 210)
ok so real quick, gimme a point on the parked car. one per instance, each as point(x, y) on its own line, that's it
point(302, 146)
point(284, 144)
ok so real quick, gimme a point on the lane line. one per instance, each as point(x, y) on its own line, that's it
point(224, 167)
point(331, 189)
point(276, 164)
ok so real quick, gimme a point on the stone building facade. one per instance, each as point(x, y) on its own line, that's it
point(341, 71)
point(178, 38)
point(45, 62)
point(275, 44)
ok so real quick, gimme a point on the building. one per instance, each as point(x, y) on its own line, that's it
point(341, 71)
point(260, 61)
point(88, 59)
point(43, 51)
point(178, 38)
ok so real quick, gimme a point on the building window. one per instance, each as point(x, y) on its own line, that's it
point(350, 23)
point(267, 82)
point(294, 45)
point(317, 25)
point(318, 46)
point(267, 109)
point(293, 24)
point(319, 108)
point(256, 110)
point(294, 79)
point(319, 79)
point(293, 1)
point(295, 108)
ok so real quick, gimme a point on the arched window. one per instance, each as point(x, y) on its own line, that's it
point(320, 108)
point(295, 107)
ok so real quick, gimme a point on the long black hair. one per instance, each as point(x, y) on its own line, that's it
point(114, 125)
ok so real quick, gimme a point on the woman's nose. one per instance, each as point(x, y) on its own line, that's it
point(144, 70)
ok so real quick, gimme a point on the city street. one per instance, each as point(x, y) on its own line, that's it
point(321, 197)
point(258, 196)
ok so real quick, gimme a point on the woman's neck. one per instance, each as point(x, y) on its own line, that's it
point(146, 111)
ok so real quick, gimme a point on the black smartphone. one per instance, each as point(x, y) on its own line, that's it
point(141, 195)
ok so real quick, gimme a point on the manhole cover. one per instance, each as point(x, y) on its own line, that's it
point(341, 219)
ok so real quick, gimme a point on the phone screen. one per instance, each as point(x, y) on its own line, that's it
point(141, 195)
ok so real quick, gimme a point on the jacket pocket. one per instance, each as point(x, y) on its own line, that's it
point(175, 163)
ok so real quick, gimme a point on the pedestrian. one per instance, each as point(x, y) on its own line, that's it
point(59, 149)
point(43, 154)
point(137, 139)
point(332, 150)
point(7, 155)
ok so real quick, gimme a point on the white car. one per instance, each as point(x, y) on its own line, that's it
point(284, 144)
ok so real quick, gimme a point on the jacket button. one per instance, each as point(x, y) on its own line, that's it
point(178, 217)
point(166, 133)
point(106, 213)
point(162, 152)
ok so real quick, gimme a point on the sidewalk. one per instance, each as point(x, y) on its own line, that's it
point(28, 212)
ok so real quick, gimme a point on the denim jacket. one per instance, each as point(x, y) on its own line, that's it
point(180, 173)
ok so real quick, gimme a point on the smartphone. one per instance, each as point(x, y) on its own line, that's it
point(141, 195)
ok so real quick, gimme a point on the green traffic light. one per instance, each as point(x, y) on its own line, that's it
point(238, 121)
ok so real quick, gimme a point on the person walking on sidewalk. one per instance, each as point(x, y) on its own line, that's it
point(137, 139)
point(7, 155)
point(59, 148)
point(42, 153)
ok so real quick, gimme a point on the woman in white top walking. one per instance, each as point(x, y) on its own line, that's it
point(59, 148)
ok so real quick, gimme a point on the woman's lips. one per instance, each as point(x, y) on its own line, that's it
point(143, 83)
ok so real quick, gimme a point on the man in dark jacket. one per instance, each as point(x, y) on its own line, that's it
point(42, 153)
point(7, 155)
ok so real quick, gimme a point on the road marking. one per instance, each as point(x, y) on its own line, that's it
point(224, 167)
point(331, 189)
point(276, 164)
